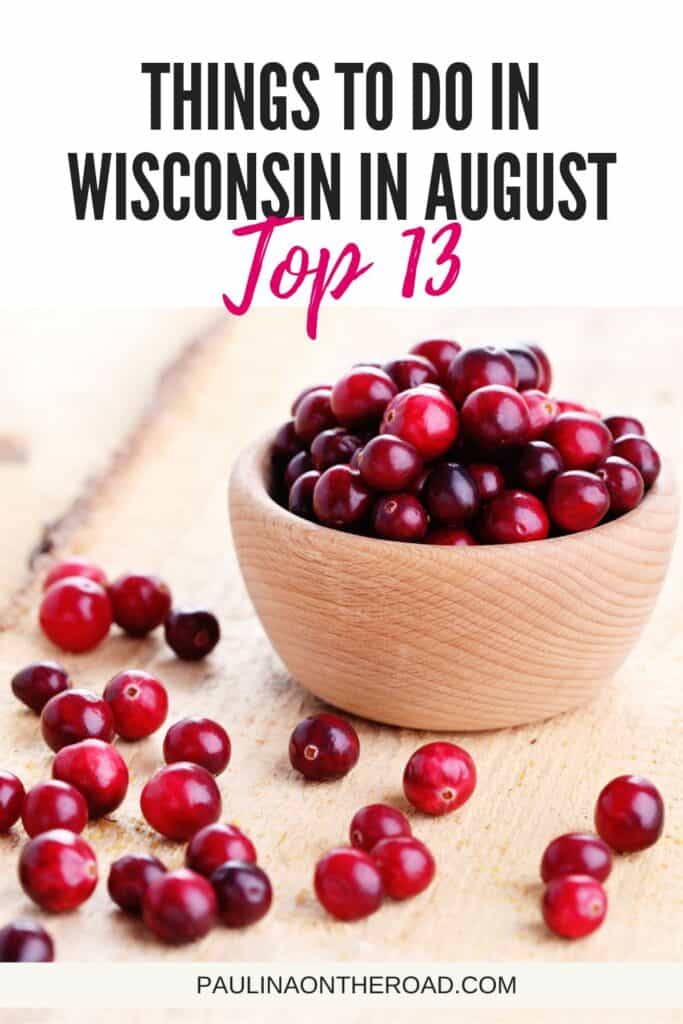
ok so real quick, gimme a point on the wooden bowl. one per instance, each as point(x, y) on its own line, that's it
point(448, 638)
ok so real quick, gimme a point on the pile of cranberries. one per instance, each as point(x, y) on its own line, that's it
point(457, 447)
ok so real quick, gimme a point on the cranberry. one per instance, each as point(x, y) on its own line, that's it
point(577, 501)
point(574, 905)
point(348, 883)
point(537, 466)
point(405, 864)
point(306, 391)
point(129, 878)
point(213, 845)
point(543, 410)
point(54, 804)
point(75, 715)
point(75, 567)
point(301, 494)
point(452, 536)
point(199, 741)
point(488, 479)
point(286, 443)
point(388, 463)
point(411, 371)
point(513, 517)
point(450, 494)
point(439, 351)
point(439, 777)
point(340, 498)
point(298, 465)
point(576, 853)
point(529, 373)
point(179, 906)
point(569, 405)
point(38, 682)
point(313, 414)
point(477, 368)
point(582, 441)
point(97, 770)
point(333, 447)
point(243, 892)
point(624, 483)
point(495, 416)
point(375, 822)
point(139, 703)
point(25, 942)
point(618, 426)
point(324, 747)
point(361, 396)
point(75, 614)
point(629, 814)
point(12, 794)
point(546, 378)
point(399, 517)
point(641, 454)
point(180, 799)
point(58, 870)
point(191, 633)
point(140, 603)
point(424, 417)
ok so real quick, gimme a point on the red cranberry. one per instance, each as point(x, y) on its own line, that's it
point(213, 845)
point(450, 494)
point(12, 794)
point(361, 396)
point(286, 443)
point(296, 467)
point(440, 352)
point(629, 814)
point(582, 441)
point(75, 614)
point(140, 603)
point(388, 463)
point(58, 870)
point(618, 426)
point(313, 414)
point(75, 715)
point(375, 822)
point(301, 494)
point(576, 853)
point(577, 501)
point(546, 378)
point(97, 770)
point(477, 368)
point(200, 741)
point(324, 747)
point(243, 892)
point(488, 479)
point(38, 682)
point(333, 447)
point(54, 804)
point(399, 517)
point(179, 906)
point(424, 417)
point(191, 633)
point(451, 536)
point(537, 466)
point(513, 517)
point(439, 777)
point(574, 905)
point(25, 942)
point(180, 799)
point(340, 498)
point(139, 703)
point(306, 391)
point(641, 454)
point(411, 371)
point(624, 483)
point(495, 416)
point(348, 884)
point(529, 373)
point(75, 567)
point(405, 864)
point(543, 410)
point(129, 878)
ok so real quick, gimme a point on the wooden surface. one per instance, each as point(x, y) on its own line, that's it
point(162, 507)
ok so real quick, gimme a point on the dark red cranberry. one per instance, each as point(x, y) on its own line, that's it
point(139, 703)
point(582, 441)
point(388, 463)
point(375, 822)
point(577, 501)
point(348, 884)
point(576, 853)
point(537, 466)
point(439, 777)
point(75, 715)
point(440, 352)
point(574, 905)
point(546, 378)
point(38, 682)
point(306, 391)
point(301, 494)
point(191, 633)
point(333, 447)
point(243, 892)
point(140, 603)
point(200, 741)
point(495, 416)
point(324, 747)
point(618, 426)
point(477, 368)
point(12, 794)
point(129, 878)
point(179, 906)
point(54, 804)
point(399, 517)
point(411, 371)
point(340, 498)
point(286, 443)
point(488, 479)
point(25, 942)
point(624, 483)
point(513, 517)
point(451, 536)
point(543, 410)
point(629, 814)
point(361, 396)
point(180, 799)
point(425, 417)
point(296, 467)
point(58, 870)
point(213, 845)
point(76, 614)
point(405, 864)
point(97, 770)
point(529, 372)
point(75, 567)
point(641, 454)
point(450, 494)
point(313, 414)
